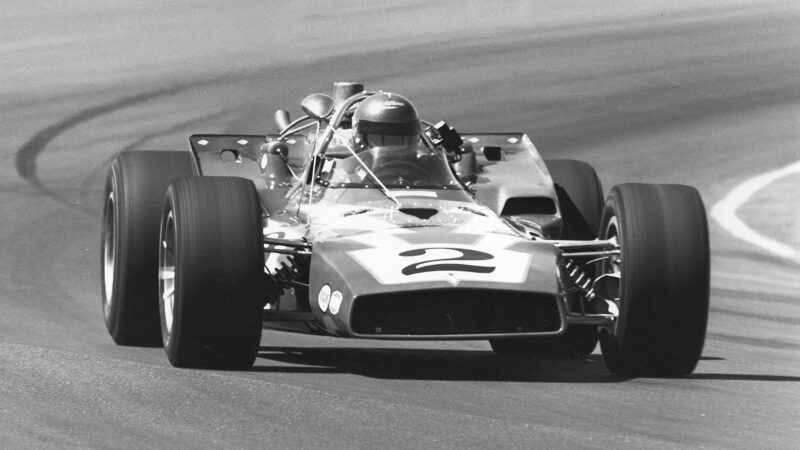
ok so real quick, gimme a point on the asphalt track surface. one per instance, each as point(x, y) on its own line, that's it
point(647, 91)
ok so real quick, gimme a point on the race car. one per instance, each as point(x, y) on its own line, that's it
point(361, 220)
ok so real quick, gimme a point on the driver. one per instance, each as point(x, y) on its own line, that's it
point(386, 133)
point(386, 138)
point(385, 119)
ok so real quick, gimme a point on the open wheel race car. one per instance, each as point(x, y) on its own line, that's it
point(359, 220)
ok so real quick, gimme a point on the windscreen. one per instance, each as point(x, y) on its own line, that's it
point(397, 166)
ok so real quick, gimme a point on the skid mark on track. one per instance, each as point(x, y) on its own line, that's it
point(100, 169)
point(724, 212)
point(26, 156)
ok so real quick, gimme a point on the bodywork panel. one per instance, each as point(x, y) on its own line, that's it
point(433, 260)
point(411, 276)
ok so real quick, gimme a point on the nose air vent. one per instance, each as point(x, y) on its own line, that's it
point(420, 213)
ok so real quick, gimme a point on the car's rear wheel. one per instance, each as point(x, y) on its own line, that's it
point(664, 279)
point(211, 266)
point(580, 197)
point(134, 192)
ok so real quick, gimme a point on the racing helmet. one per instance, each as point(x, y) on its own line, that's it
point(385, 119)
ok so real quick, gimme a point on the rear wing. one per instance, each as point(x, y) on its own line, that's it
point(505, 170)
point(247, 156)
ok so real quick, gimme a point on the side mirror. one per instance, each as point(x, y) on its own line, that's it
point(317, 106)
point(446, 136)
point(282, 119)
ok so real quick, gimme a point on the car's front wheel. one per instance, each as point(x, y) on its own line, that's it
point(211, 273)
point(663, 268)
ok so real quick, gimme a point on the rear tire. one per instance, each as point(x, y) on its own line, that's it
point(580, 197)
point(134, 193)
point(664, 279)
point(212, 282)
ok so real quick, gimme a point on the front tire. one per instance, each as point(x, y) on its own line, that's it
point(134, 193)
point(664, 271)
point(211, 265)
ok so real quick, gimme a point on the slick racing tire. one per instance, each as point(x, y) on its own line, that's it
point(664, 279)
point(134, 193)
point(580, 197)
point(211, 266)
point(577, 342)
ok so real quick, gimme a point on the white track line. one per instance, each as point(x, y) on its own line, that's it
point(724, 212)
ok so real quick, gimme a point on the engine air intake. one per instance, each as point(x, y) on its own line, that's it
point(518, 206)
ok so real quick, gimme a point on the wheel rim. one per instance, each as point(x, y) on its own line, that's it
point(613, 265)
point(166, 271)
point(109, 252)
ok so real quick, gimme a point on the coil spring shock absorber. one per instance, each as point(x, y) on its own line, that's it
point(585, 286)
point(578, 277)
point(582, 284)
point(579, 282)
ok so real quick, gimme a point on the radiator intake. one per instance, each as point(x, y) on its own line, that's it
point(454, 312)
